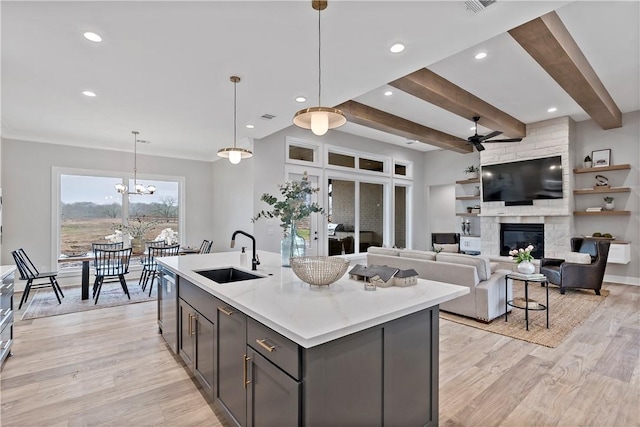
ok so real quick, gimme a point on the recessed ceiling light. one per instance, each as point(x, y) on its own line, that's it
point(249, 126)
point(388, 93)
point(552, 110)
point(92, 37)
point(481, 55)
point(397, 48)
point(88, 93)
point(301, 99)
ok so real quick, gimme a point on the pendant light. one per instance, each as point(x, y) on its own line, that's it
point(139, 189)
point(234, 154)
point(319, 119)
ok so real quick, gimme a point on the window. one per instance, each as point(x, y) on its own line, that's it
point(88, 207)
point(343, 160)
point(305, 153)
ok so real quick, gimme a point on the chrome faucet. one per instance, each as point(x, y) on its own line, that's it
point(255, 261)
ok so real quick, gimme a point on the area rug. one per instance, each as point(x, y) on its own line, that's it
point(43, 302)
point(566, 313)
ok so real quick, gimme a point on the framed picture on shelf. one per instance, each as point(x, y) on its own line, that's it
point(601, 158)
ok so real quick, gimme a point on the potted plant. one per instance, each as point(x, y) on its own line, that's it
point(523, 257)
point(608, 203)
point(472, 171)
point(587, 161)
point(295, 207)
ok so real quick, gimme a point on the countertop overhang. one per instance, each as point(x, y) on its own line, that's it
point(309, 315)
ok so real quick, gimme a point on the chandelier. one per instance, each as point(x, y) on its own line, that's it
point(319, 119)
point(234, 154)
point(138, 189)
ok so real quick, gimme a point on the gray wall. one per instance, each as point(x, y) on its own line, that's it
point(26, 176)
point(624, 143)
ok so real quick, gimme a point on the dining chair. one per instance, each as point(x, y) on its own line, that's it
point(150, 268)
point(111, 263)
point(205, 248)
point(30, 273)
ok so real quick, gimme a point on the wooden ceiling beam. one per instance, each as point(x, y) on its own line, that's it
point(430, 87)
point(548, 41)
point(376, 119)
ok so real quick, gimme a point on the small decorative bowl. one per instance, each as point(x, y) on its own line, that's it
point(319, 270)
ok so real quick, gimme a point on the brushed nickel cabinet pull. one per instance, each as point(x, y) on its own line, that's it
point(263, 344)
point(245, 381)
point(190, 328)
point(226, 311)
point(4, 344)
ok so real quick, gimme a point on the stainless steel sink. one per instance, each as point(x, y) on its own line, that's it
point(227, 275)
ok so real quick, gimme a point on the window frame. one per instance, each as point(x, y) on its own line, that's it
point(316, 147)
point(56, 191)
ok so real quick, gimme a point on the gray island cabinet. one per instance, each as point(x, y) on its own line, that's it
point(275, 351)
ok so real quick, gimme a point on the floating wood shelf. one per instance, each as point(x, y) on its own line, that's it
point(603, 190)
point(467, 197)
point(467, 214)
point(601, 213)
point(602, 169)
point(469, 181)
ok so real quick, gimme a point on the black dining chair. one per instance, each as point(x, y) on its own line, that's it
point(111, 263)
point(30, 273)
point(150, 268)
point(205, 247)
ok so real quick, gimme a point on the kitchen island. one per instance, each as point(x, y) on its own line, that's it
point(277, 351)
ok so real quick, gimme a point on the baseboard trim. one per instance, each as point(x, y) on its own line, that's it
point(624, 280)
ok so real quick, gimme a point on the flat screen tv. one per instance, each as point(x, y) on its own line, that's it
point(523, 181)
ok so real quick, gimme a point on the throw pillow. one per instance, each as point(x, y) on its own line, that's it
point(577, 258)
point(446, 247)
point(426, 255)
point(482, 264)
point(383, 251)
point(494, 267)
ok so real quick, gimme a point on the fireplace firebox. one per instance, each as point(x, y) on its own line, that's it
point(516, 236)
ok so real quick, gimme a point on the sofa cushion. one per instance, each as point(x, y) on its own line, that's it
point(408, 253)
point(383, 251)
point(482, 264)
point(577, 257)
point(445, 247)
point(494, 266)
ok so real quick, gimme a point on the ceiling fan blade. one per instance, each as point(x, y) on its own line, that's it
point(506, 140)
point(491, 135)
point(478, 146)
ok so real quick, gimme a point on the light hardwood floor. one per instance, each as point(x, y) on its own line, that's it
point(110, 367)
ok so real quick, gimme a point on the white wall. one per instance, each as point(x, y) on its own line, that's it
point(232, 202)
point(26, 174)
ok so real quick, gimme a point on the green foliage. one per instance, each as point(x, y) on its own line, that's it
point(295, 206)
point(587, 158)
point(608, 199)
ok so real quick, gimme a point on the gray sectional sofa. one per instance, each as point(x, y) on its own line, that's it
point(486, 299)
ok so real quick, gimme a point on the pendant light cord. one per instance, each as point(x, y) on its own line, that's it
point(235, 101)
point(319, 61)
point(135, 158)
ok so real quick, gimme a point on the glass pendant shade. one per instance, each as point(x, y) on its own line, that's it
point(319, 119)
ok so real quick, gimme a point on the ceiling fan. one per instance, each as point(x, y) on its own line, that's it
point(477, 140)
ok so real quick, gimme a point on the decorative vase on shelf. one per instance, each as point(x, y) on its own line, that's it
point(587, 165)
point(292, 245)
point(526, 267)
point(608, 206)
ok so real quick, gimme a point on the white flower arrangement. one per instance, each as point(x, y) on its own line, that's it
point(168, 236)
point(118, 237)
point(522, 254)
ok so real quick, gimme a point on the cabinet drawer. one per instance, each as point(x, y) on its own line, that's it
point(276, 348)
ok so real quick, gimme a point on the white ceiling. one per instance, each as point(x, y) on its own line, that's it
point(163, 68)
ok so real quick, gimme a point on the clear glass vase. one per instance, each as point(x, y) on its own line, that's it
point(292, 245)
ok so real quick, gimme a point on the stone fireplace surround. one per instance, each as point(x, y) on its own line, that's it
point(544, 139)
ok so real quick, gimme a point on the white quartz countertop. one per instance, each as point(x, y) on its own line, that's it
point(5, 270)
point(309, 315)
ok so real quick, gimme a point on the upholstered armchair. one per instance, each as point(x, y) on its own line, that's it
point(575, 275)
